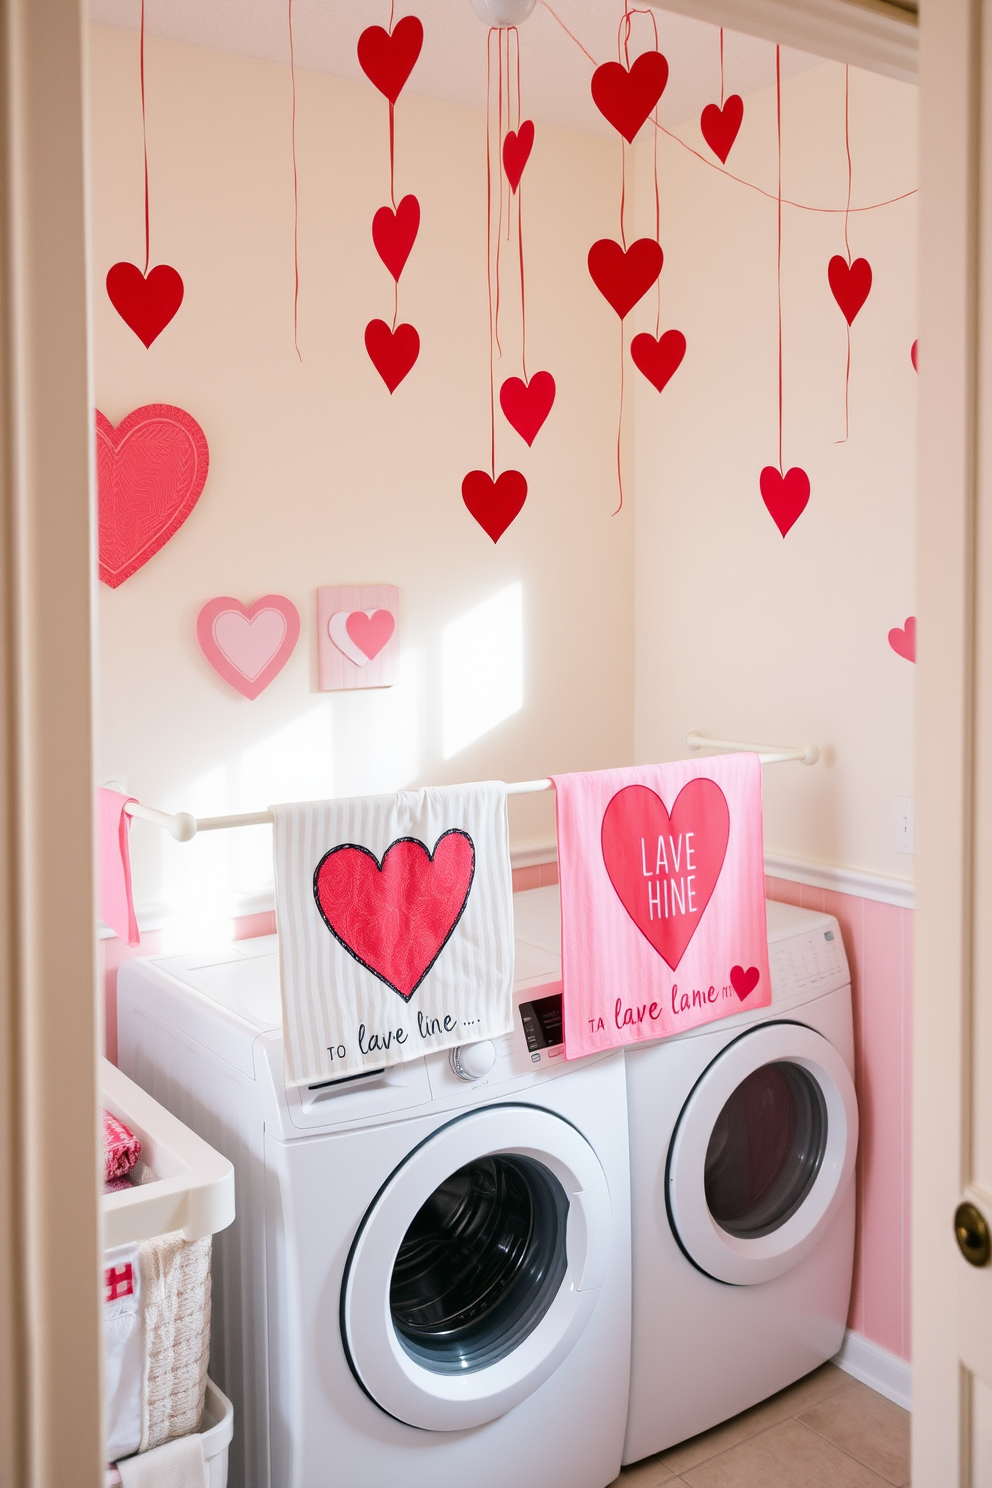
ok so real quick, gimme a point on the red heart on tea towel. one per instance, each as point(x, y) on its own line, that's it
point(396, 917)
point(394, 233)
point(145, 302)
point(494, 503)
point(248, 645)
point(646, 849)
point(392, 353)
point(516, 152)
point(785, 496)
point(659, 359)
point(527, 404)
point(720, 126)
point(624, 277)
point(150, 471)
point(387, 59)
point(625, 98)
point(903, 642)
point(849, 283)
point(361, 634)
point(744, 982)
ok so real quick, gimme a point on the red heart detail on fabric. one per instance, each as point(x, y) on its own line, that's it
point(850, 284)
point(914, 352)
point(623, 278)
point(387, 60)
point(396, 917)
point(393, 353)
point(394, 233)
point(903, 642)
point(664, 867)
point(516, 152)
point(785, 496)
point(626, 98)
point(494, 503)
point(744, 982)
point(370, 632)
point(658, 359)
point(146, 304)
point(527, 404)
point(720, 126)
point(248, 645)
point(150, 471)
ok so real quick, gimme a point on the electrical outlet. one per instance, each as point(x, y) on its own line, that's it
point(904, 840)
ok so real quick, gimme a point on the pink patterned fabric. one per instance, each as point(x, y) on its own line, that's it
point(121, 1148)
point(662, 899)
point(116, 903)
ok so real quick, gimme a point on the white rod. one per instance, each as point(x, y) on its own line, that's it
point(769, 754)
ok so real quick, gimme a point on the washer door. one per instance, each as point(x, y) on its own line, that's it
point(762, 1154)
point(476, 1267)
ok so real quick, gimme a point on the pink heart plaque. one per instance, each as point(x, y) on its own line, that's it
point(361, 634)
point(248, 645)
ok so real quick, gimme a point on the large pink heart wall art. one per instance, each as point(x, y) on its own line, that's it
point(150, 472)
point(248, 645)
point(357, 636)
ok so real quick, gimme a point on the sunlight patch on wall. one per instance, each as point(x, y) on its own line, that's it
point(483, 668)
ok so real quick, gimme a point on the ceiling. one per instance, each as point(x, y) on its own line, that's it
point(452, 66)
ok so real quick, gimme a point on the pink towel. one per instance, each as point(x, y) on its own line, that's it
point(662, 899)
point(116, 904)
point(121, 1148)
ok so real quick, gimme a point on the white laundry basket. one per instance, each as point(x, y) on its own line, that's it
point(217, 1430)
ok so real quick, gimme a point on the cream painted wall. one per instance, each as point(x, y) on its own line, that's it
point(739, 633)
point(317, 476)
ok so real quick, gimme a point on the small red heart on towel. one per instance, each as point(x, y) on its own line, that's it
point(744, 982)
point(397, 916)
point(625, 97)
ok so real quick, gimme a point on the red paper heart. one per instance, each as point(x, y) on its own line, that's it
point(624, 278)
point(652, 866)
point(150, 472)
point(248, 645)
point(494, 503)
point(720, 125)
point(396, 917)
point(527, 404)
point(393, 353)
point(658, 359)
point(147, 304)
point(903, 642)
point(394, 233)
point(370, 632)
point(516, 152)
point(387, 60)
point(744, 982)
point(626, 98)
point(914, 352)
point(785, 495)
point(850, 284)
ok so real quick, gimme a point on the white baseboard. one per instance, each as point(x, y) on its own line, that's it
point(875, 1366)
point(854, 881)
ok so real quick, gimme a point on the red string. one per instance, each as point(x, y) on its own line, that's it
point(623, 191)
point(489, 240)
point(778, 123)
point(520, 225)
point(392, 154)
point(721, 68)
point(144, 134)
point(296, 194)
point(499, 167)
point(620, 428)
point(847, 247)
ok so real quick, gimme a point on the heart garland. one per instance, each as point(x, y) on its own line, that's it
point(387, 58)
point(248, 645)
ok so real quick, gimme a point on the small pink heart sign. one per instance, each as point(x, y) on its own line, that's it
point(361, 634)
point(248, 645)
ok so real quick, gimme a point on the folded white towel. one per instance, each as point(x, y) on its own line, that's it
point(124, 1337)
point(175, 1284)
point(177, 1464)
point(395, 919)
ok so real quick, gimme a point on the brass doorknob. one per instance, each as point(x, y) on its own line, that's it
point(972, 1232)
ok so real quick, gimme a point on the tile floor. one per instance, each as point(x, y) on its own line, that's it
point(827, 1431)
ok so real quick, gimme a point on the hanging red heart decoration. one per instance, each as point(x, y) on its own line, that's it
point(658, 359)
point(146, 302)
point(394, 233)
point(903, 640)
point(527, 404)
point(516, 152)
point(621, 277)
point(494, 503)
point(850, 284)
point(914, 354)
point(785, 496)
point(626, 98)
point(393, 353)
point(720, 126)
point(387, 59)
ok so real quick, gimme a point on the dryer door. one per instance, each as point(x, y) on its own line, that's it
point(476, 1268)
point(762, 1154)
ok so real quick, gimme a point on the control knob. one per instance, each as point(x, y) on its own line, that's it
point(472, 1061)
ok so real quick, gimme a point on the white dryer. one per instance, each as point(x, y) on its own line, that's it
point(428, 1281)
point(743, 1137)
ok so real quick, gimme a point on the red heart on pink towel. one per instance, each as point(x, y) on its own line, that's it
point(248, 645)
point(744, 982)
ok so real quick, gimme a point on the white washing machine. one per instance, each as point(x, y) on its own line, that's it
point(428, 1280)
point(743, 1136)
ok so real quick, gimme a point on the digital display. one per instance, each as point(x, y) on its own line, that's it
point(542, 1022)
